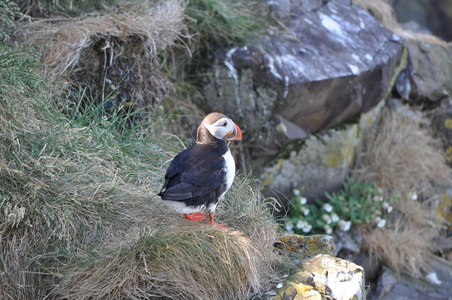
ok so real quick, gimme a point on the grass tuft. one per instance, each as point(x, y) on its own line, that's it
point(150, 26)
point(199, 262)
point(79, 215)
point(401, 157)
point(224, 23)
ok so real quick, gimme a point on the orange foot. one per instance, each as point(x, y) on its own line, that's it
point(220, 226)
point(197, 217)
point(211, 222)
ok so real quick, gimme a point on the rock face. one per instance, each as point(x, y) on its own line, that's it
point(436, 16)
point(323, 159)
point(335, 61)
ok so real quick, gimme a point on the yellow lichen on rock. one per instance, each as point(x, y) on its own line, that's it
point(341, 148)
point(307, 246)
point(444, 210)
point(321, 159)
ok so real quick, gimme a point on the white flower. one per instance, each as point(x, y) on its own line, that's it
point(303, 225)
point(376, 220)
point(327, 207)
point(334, 217)
point(327, 229)
point(387, 207)
point(289, 226)
point(296, 192)
point(306, 211)
point(414, 196)
point(326, 218)
point(303, 200)
point(378, 198)
point(307, 228)
point(345, 225)
point(433, 278)
point(381, 223)
point(300, 224)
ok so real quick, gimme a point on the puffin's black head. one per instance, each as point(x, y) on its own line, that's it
point(219, 126)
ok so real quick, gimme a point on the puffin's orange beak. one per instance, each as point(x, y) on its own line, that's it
point(238, 133)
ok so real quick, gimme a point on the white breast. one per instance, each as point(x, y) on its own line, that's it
point(230, 169)
point(230, 174)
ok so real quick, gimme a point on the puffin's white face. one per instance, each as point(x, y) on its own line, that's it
point(225, 129)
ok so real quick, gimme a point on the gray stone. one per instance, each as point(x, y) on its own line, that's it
point(348, 243)
point(370, 264)
point(324, 159)
point(435, 286)
point(280, 8)
point(322, 277)
point(334, 62)
point(432, 70)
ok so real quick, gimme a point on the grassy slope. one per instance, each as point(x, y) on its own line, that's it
point(79, 217)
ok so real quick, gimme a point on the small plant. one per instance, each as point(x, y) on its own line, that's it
point(358, 203)
point(226, 22)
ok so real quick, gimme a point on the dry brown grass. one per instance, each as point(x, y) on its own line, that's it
point(400, 156)
point(162, 255)
point(404, 249)
point(196, 262)
point(151, 25)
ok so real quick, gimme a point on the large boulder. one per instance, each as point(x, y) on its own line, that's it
point(332, 63)
point(322, 277)
point(432, 70)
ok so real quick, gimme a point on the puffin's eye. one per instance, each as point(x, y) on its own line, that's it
point(224, 124)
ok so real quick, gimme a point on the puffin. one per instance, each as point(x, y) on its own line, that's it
point(199, 176)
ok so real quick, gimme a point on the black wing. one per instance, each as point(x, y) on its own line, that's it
point(195, 176)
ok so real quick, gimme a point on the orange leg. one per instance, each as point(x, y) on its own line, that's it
point(210, 222)
point(197, 217)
